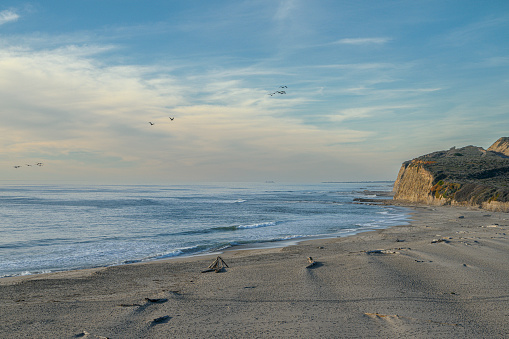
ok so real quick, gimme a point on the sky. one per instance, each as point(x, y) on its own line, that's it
point(369, 85)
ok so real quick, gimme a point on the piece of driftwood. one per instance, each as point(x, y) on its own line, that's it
point(217, 266)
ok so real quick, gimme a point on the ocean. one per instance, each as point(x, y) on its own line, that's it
point(49, 228)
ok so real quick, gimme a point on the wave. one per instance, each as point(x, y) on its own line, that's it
point(234, 227)
point(170, 254)
point(99, 203)
point(263, 224)
point(25, 273)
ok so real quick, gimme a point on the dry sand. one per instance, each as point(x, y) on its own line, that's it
point(446, 275)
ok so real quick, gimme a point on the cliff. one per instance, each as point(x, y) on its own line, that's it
point(468, 176)
point(500, 146)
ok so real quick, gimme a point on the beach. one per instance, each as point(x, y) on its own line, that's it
point(443, 275)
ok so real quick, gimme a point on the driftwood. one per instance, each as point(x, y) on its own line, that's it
point(217, 266)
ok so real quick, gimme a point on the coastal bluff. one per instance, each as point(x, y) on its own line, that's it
point(467, 176)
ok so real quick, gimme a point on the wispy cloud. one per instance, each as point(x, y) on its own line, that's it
point(69, 108)
point(285, 9)
point(8, 16)
point(478, 30)
point(362, 41)
point(365, 112)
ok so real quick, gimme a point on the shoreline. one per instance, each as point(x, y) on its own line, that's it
point(247, 246)
point(443, 275)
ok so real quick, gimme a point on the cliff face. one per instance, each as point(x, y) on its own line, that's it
point(500, 146)
point(468, 176)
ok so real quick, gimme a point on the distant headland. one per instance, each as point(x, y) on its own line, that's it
point(467, 176)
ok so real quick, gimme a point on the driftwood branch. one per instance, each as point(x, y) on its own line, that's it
point(217, 266)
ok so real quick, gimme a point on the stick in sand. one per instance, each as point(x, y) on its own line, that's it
point(218, 266)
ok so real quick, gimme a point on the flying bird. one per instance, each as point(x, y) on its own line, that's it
point(39, 164)
point(278, 92)
point(17, 166)
point(172, 118)
point(151, 123)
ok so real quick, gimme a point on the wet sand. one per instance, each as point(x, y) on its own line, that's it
point(445, 275)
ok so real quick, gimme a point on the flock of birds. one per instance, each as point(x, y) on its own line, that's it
point(153, 123)
point(279, 91)
point(30, 165)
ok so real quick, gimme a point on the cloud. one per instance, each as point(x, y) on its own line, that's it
point(483, 29)
point(362, 41)
point(8, 16)
point(360, 66)
point(66, 107)
point(285, 9)
point(365, 112)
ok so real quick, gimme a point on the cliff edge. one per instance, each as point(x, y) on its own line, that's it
point(467, 176)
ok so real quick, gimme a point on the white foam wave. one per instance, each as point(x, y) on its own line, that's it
point(263, 224)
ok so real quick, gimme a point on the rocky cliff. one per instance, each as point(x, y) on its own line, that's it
point(500, 146)
point(468, 176)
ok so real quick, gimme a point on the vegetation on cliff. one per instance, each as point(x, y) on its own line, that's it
point(462, 176)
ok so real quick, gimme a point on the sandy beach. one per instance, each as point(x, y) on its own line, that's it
point(445, 275)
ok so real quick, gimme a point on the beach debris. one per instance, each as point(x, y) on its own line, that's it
point(311, 262)
point(434, 241)
point(382, 252)
point(159, 301)
point(217, 266)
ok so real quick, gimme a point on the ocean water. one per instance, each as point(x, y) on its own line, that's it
point(47, 228)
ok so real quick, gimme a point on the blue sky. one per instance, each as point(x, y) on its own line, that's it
point(370, 84)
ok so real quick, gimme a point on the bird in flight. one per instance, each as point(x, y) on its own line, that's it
point(278, 92)
point(172, 118)
point(151, 123)
point(29, 165)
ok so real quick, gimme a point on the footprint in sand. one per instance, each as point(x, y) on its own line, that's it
point(156, 301)
point(86, 334)
point(397, 320)
point(161, 320)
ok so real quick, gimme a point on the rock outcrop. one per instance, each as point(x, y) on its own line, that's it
point(468, 176)
point(500, 146)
